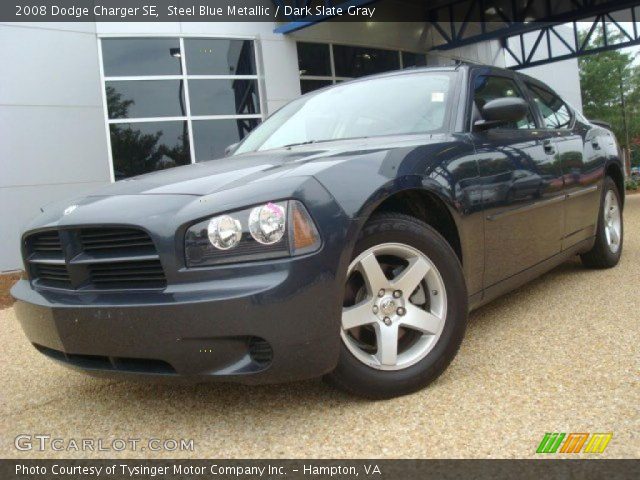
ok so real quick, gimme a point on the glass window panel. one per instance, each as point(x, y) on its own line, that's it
point(554, 111)
point(224, 97)
point(307, 86)
point(141, 56)
point(219, 57)
point(145, 98)
point(314, 59)
point(212, 137)
point(491, 87)
point(359, 61)
point(410, 59)
point(145, 147)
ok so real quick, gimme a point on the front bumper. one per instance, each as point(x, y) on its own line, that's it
point(272, 322)
point(253, 322)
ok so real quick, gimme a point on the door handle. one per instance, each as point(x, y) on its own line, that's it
point(549, 147)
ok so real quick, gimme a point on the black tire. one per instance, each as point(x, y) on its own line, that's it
point(601, 256)
point(357, 378)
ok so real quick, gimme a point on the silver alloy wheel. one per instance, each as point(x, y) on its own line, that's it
point(612, 221)
point(390, 307)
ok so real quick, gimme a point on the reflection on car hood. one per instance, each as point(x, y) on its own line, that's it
point(215, 175)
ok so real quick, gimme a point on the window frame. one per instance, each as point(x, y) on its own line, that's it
point(184, 77)
point(522, 90)
point(528, 83)
point(333, 78)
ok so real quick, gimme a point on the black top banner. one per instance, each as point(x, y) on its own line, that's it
point(196, 10)
point(139, 10)
point(497, 12)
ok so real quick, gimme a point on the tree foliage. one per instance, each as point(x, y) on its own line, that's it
point(606, 78)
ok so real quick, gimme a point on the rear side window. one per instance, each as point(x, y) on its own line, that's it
point(555, 113)
point(487, 88)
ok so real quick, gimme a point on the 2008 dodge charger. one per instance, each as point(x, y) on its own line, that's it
point(347, 236)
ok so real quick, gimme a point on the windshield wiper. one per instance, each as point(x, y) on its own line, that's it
point(307, 142)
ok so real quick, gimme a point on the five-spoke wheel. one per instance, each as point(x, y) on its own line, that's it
point(609, 234)
point(404, 310)
point(395, 308)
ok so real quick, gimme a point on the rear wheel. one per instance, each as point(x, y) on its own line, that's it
point(404, 310)
point(607, 248)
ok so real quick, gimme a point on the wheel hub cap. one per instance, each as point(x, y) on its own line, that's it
point(387, 306)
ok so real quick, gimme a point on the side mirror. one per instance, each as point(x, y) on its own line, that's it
point(502, 110)
point(230, 149)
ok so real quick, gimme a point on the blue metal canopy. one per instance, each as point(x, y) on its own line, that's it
point(465, 22)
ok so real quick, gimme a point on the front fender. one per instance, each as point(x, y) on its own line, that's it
point(446, 167)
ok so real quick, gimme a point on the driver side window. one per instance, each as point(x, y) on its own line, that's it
point(555, 113)
point(487, 88)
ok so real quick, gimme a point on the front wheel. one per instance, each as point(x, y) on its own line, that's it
point(404, 311)
point(607, 248)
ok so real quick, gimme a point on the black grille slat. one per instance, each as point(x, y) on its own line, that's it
point(45, 242)
point(120, 238)
point(127, 275)
point(53, 270)
point(114, 239)
point(126, 269)
point(52, 275)
point(125, 281)
point(115, 258)
point(102, 246)
point(97, 233)
point(124, 274)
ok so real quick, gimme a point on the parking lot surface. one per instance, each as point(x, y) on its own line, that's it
point(560, 354)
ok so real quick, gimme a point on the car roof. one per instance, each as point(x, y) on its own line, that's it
point(444, 68)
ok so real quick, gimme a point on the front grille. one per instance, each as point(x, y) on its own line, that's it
point(105, 258)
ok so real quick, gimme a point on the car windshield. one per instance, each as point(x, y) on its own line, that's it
point(401, 104)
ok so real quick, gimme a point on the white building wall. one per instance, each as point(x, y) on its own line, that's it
point(52, 135)
point(563, 77)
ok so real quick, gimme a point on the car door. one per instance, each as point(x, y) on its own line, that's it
point(522, 184)
point(582, 160)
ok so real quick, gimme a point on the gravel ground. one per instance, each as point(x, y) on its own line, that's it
point(558, 355)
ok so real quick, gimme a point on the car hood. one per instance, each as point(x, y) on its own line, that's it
point(208, 177)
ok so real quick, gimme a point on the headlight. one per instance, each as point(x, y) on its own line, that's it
point(267, 223)
point(224, 232)
point(272, 230)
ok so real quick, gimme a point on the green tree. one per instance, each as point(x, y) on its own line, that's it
point(611, 89)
